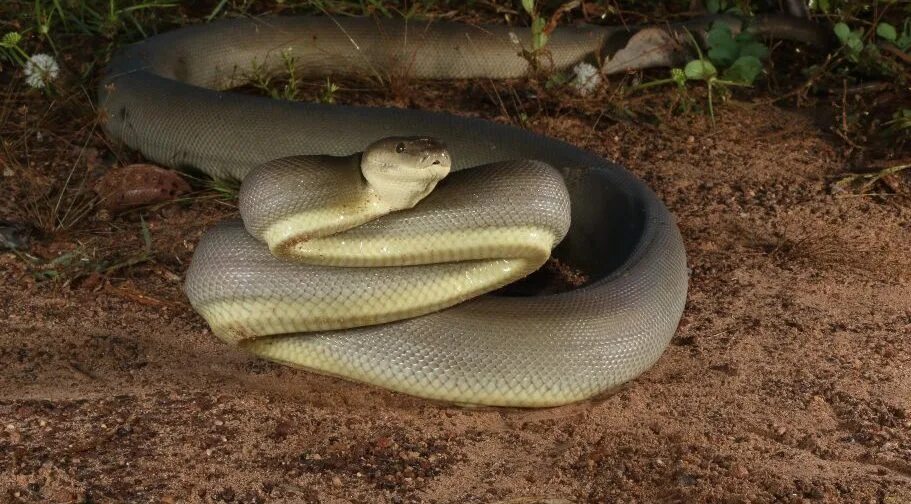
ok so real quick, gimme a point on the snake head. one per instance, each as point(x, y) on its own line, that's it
point(403, 170)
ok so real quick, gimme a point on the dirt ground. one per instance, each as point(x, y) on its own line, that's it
point(789, 379)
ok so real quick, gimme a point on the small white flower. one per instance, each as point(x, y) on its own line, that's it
point(587, 78)
point(40, 70)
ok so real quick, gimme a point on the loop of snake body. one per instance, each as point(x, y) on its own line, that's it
point(404, 321)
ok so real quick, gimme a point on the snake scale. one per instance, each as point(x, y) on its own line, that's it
point(168, 98)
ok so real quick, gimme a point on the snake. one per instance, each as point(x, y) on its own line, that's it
point(342, 272)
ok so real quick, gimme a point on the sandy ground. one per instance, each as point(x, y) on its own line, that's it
point(789, 379)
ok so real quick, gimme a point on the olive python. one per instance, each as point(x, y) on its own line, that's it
point(412, 325)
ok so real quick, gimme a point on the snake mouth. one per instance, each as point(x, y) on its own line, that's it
point(432, 155)
point(435, 163)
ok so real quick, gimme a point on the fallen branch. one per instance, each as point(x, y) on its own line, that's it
point(869, 179)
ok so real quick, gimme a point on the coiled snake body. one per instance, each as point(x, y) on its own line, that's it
point(164, 97)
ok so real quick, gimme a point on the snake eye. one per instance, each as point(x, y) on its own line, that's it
point(400, 148)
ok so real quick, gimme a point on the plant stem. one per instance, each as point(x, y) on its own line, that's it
point(650, 84)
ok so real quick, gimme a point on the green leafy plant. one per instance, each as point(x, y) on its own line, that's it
point(852, 41)
point(538, 23)
point(542, 27)
point(703, 69)
point(888, 33)
point(820, 5)
point(863, 50)
point(739, 58)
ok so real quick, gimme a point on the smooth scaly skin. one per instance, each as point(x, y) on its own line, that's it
point(482, 229)
point(513, 351)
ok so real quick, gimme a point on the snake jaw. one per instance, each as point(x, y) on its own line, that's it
point(401, 171)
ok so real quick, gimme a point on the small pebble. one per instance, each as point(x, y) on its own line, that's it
point(739, 471)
